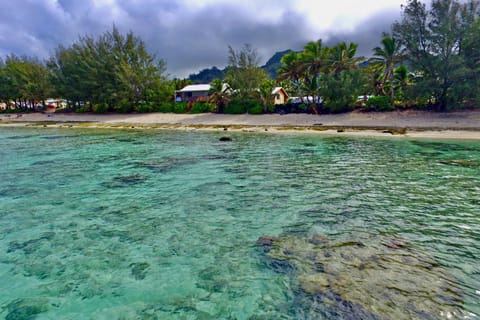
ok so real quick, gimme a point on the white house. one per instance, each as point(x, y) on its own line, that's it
point(192, 92)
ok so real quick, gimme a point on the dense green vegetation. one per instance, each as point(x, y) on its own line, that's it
point(113, 72)
point(245, 78)
point(24, 81)
point(441, 43)
point(430, 60)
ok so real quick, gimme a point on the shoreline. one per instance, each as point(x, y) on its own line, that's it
point(410, 124)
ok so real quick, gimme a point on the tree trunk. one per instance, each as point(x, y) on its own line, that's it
point(392, 89)
point(442, 103)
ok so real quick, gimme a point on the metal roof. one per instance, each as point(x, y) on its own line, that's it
point(195, 87)
point(278, 89)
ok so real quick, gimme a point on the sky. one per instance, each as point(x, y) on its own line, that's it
point(191, 35)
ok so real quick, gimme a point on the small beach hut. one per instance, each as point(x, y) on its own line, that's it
point(280, 96)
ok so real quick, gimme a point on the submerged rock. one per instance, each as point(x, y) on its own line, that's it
point(370, 277)
point(168, 164)
point(32, 245)
point(131, 179)
point(123, 181)
point(25, 309)
point(139, 270)
point(461, 162)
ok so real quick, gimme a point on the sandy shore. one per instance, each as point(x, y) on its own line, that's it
point(454, 125)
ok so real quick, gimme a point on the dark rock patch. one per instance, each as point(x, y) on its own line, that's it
point(461, 163)
point(303, 151)
point(396, 131)
point(211, 280)
point(440, 146)
point(32, 245)
point(309, 144)
point(139, 270)
point(26, 309)
point(168, 164)
point(124, 181)
point(365, 277)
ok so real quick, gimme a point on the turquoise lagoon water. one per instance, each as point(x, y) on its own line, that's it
point(111, 224)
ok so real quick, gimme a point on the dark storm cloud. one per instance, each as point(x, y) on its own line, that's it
point(24, 29)
point(368, 33)
point(187, 39)
point(202, 39)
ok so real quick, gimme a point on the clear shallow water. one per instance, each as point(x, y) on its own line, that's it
point(107, 224)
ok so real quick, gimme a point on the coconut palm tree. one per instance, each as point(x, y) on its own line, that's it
point(388, 55)
point(342, 57)
point(265, 94)
point(219, 94)
point(314, 61)
point(292, 71)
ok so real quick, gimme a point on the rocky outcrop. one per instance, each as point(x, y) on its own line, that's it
point(369, 277)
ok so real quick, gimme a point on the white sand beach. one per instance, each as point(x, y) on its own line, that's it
point(452, 125)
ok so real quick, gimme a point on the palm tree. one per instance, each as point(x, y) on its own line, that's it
point(219, 94)
point(314, 61)
point(314, 56)
point(342, 57)
point(388, 55)
point(292, 71)
point(265, 94)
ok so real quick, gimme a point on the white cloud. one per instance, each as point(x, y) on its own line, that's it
point(342, 15)
point(321, 15)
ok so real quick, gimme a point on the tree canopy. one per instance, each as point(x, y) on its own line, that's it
point(24, 80)
point(244, 74)
point(430, 59)
point(326, 76)
point(438, 42)
point(113, 72)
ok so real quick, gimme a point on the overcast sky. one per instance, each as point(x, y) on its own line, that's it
point(194, 34)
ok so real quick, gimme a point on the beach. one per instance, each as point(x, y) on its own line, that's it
point(451, 125)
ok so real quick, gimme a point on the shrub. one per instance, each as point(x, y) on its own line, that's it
point(180, 107)
point(83, 109)
point(236, 106)
point(271, 108)
point(340, 91)
point(379, 103)
point(165, 107)
point(100, 108)
point(255, 108)
point(338, 105)
point(291, 108)
point(144, 107)
point(239, 106)
point(11, 111)
point(202, 107)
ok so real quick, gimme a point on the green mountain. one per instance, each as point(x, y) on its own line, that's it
point(274, 62)
point(207, 75)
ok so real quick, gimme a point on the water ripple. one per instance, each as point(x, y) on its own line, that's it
point(129, 224)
